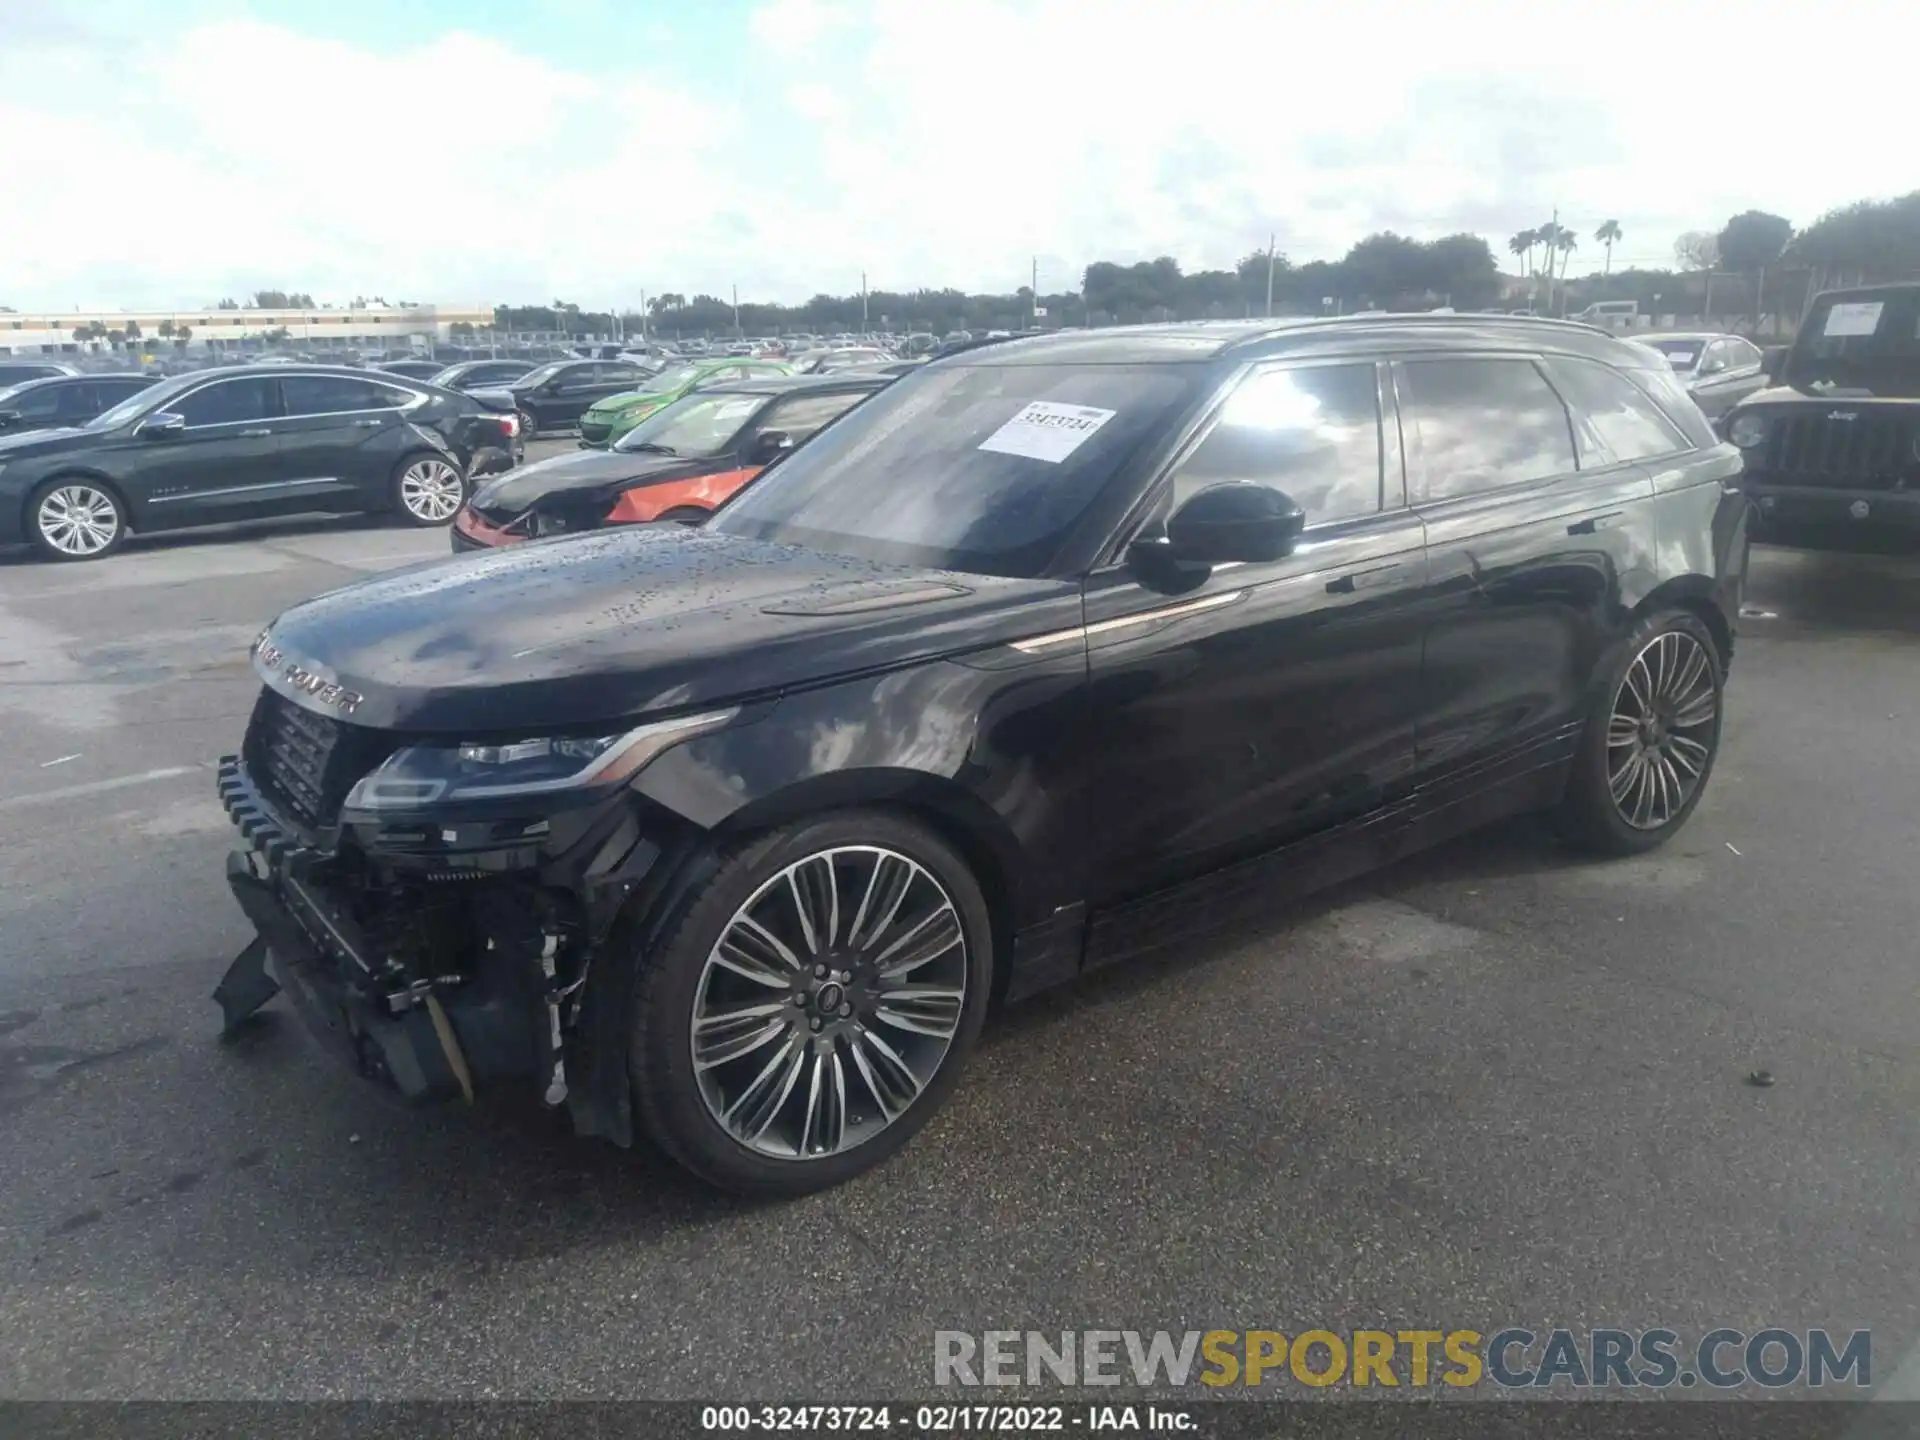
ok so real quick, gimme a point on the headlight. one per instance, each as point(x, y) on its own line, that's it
point(1747, 430)
point(428, 774)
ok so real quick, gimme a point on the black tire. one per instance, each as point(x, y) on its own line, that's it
point(1647, 661)
point(684, 515)
point(529, 425)
point(72, 511)
point(428, 489)
point(668, 1096)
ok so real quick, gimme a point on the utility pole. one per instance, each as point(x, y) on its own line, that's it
point(643, 314)
point(1033, 293)
point(863, 302)
point(736, 310)
point(1271, 238)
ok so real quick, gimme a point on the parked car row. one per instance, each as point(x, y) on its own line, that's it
point(249, 442)
point(1051, 652)
point(682, 462)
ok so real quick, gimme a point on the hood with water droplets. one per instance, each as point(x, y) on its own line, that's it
point(631, 622)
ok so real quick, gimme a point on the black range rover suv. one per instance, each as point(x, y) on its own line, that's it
point(1051, 652)
point(1833, 447)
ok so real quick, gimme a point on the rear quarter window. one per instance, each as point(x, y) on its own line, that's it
point(1616, 421)
point(1658, 382)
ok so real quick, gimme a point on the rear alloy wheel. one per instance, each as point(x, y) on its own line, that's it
point(529, 427)
point(1644, 761)
point(814, 1005)
point(76, 520)
point(429, 489)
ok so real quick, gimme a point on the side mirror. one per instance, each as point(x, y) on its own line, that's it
point(1234, 522)
point(161, 425)
point(768, 446)
point(9, 419)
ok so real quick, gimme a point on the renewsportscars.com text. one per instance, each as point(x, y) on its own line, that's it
point(1513, 1358)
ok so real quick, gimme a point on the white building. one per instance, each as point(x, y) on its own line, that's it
point(52, 333)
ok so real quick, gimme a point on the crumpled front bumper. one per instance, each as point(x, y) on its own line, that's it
point(428, 1051)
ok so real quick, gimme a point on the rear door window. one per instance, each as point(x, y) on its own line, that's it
point(1481, 424)
point(338, 394)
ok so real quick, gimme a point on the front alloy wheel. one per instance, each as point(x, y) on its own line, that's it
point(1660, 735)
point(812, 1008)
point(431, 491)
point(77, 521)
point(828, 1003)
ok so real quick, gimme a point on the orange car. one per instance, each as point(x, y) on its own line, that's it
point(678, 464)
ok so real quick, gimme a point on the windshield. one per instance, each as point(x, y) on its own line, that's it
point(980, 468)
point(699, 425)
point(135, 404)
point(1872, 342)
point(1681, 354)
point(674, 377)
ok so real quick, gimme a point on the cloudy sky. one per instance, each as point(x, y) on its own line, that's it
point(516, 150)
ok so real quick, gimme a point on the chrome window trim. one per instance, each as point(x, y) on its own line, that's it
point(420, 397)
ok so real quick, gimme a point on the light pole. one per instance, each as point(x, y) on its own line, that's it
point(863, 302)
point(736, 311)
point(1271, 239)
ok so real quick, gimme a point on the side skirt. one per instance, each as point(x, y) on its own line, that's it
point(1530, 779)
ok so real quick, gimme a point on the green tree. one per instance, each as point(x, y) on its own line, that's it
point(1608, 234)
point(181, 335)
point(133, 330)
point(166, 329)
point(461, 330)
point(1751, 242)
point(228, 304)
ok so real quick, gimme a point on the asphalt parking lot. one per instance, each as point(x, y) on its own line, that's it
point(1493, 1085)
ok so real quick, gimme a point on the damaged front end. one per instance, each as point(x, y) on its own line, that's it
point(436, 912)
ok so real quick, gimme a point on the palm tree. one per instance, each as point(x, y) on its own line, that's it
point(1608, 232)
point(1521, 244)
point(1566, 242)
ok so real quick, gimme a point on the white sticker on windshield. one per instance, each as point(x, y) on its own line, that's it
point(1046, 431)
point(1859, 318)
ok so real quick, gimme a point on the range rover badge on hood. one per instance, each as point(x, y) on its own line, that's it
point(271, 658)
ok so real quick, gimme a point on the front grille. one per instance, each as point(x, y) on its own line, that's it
point(308, 761)
point(1871, 451)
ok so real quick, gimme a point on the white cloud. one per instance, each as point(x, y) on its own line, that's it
point(795, 28)
point(924, 143)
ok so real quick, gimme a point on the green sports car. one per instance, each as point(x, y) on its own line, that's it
point(607, 420)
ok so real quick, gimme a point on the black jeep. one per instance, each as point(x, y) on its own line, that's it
point(1833, 445)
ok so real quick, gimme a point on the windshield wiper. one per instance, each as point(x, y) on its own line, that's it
point(651, 447)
